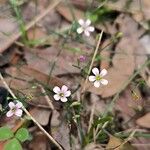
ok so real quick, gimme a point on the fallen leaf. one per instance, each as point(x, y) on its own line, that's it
point(115, 144)
point(123, 62)
point(41, 115)
point(93, 146)
point(39, 142)
point(61, 134)
point(144, 121)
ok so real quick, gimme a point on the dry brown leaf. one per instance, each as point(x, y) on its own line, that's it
point(123, 62)
point(61, 134)
point(144, 121)
point(23, 83)
point(39, 142)
point(41, 115)
point(142, 7)
point(65, 11)
point(36, 33)
point(93, 146)
point(115, 144)
point(64, 59)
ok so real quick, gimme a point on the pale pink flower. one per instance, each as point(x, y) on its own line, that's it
point(15, 109)
point(82, 58)
point(85, 27)
point(98, 78)
point(61, 93)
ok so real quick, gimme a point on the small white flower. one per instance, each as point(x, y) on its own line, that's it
point(15, 109)
point(98, 78)
point(85, 27)
point(61, 94)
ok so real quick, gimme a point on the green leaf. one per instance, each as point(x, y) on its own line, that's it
point(5, 133)
point(22, 134)
point(13, 144)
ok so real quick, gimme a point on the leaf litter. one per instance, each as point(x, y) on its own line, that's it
point(54, 62)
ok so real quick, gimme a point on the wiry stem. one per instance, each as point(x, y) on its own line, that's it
point(91, 65)
point(30, 116)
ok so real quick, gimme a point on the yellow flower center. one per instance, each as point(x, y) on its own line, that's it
point(14, 109)
point(61, 94)
point(98, 78)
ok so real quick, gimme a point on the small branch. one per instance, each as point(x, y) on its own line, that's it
point(30, 116)
point(91, 65)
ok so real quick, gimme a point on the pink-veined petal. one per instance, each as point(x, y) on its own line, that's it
point(103, 72)
point(95, 71)
point(81, 22)
point(79, 30)
point(86, 32)
point(56, 89)
point(19, 104)
point(64, 99)
point(104, 81)
point(97, 84)
point(92, 78)
point(9, 113)
point(67, 93)
point(88, 22)
point(56, 97)
point(18, 112)
point(91, 29)
point(64, 88)
point(11, 105)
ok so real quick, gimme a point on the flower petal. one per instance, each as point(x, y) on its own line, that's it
point(97, 84)
point(19, 104)
point(64, 88)
point(18, 112)
point(88, 22)
point(56, 89)
point(79, 30)
point(67, 93)
point(91, 29)
point(103, 72)
point(64, 99)
point(86, 32)
point(104, 81)
point(92, 78)
point(81, 22)
point(56, 97)
point(11, 105)
point(95, 71)
point(9, 113)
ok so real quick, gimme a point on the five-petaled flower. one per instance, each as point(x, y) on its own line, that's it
point(15, 109)
point(98, 78)
point(61, 93)
point(85, 27)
